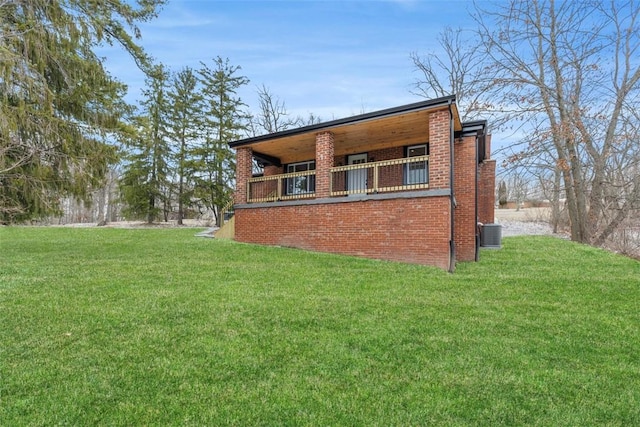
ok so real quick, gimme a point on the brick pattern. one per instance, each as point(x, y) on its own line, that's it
point(324, 162)
point(244, 170)
point(391, 175)
point(271, 170)
point(387, 154)
point(407, 230)
point(439, 155)
point(486, 192)
point(465, 194)
point(487, 147)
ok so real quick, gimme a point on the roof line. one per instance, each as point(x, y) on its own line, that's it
point(473, 127)
point(443, 101)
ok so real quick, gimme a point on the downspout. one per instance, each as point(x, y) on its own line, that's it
point(477, 179)
point(452, 245)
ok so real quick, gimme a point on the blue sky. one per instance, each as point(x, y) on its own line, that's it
point(330, 58)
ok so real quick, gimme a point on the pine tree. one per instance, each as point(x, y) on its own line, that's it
point(224, 121)
point(183, 121)
point(58, 105)
point(146, 174)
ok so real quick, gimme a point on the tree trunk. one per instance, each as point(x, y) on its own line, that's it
point(219, 216)
point(555, 201)
point(180, 207)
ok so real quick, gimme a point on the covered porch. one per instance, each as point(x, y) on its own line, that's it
point(395, 150)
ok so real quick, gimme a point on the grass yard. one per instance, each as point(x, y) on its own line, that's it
point(157, 327)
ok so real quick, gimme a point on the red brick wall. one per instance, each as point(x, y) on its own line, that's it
point(486, 192)
point(439, 158)
point(408, 230)
point(386, 154)
point(244, 164)
point(465, 195)
point(324, 162)
point(487, 147)
point(271, 170)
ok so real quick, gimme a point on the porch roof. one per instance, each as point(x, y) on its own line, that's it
point(403, 125)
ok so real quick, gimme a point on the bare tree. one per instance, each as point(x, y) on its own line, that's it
point(272, 116)
point(518, 186)
point(503, 197)
point(571, 68)
point(533, 156)
point(458, 67)
point(549, 183)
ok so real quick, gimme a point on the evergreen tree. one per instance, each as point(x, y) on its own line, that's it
point(58, 105)
point(135, 185)
point(145, 178)
point(183, 121)
point(224, 120)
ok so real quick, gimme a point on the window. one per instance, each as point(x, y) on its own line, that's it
point(301, 184)
point(417, 172)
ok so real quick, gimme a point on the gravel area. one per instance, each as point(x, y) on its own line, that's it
point(520, 228)
point(530, 221)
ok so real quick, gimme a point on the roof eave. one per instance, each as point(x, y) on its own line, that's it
point(476, 127)
point(423, 105)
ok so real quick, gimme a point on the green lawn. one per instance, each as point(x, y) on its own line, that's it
point(157, 327)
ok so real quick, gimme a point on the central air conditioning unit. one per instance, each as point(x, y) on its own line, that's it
point(491, 236)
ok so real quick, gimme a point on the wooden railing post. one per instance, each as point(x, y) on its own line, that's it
point(279, 189)
point(375, 177)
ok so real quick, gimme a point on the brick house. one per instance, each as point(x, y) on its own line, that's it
point(407, 184)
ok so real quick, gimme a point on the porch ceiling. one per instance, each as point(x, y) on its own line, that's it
point(404, 128)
